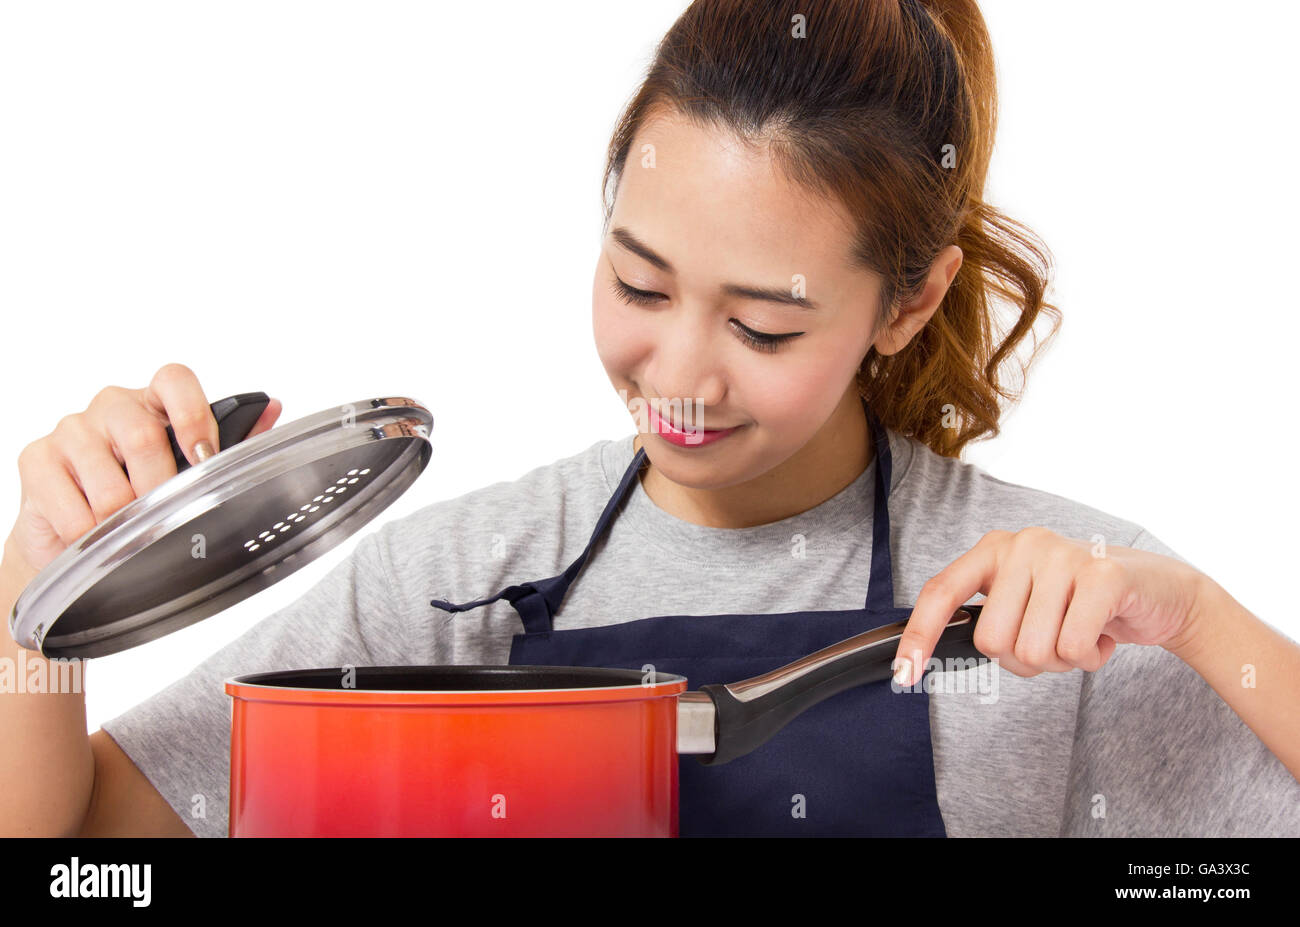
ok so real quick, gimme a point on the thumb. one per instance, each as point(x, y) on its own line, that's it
point(267, 418)
point(1105, 646)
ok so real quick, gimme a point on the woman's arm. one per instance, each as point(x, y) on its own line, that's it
point(1254, 668)
point(47, 767)
point(1055, 603)
point(57, 781)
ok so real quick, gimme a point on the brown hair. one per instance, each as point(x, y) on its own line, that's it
point(864, 108)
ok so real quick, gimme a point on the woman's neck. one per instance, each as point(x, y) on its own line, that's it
point(830, 461)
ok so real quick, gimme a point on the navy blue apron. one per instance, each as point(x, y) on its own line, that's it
point(859, 763)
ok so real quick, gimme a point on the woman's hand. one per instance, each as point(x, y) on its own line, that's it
point(1054, 603)
point(74, 477)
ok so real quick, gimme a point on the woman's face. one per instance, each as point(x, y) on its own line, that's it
point(708, 227)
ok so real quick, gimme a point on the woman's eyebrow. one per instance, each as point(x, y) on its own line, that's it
point(774, 294)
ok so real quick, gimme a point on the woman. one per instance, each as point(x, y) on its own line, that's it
point(794, 299)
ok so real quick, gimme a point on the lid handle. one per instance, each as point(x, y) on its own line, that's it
point(235, 415)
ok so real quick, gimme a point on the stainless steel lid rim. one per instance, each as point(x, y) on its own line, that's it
point(251, 464)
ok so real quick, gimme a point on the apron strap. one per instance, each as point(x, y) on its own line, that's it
point(539, 600)
point(880, 585)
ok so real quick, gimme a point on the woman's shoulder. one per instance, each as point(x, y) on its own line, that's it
point(967, 500)
point(534, 517)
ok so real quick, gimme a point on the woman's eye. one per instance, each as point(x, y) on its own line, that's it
point(760, 341)
point(633, 295)
point(757, 340)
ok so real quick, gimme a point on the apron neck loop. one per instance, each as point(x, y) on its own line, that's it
point(537, 602)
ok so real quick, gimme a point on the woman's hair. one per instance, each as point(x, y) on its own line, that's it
point(889, 107)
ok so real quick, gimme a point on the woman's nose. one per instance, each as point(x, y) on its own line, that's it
point(687, 362)
point(687, 404)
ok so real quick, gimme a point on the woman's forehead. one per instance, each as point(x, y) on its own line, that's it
point(710, 208)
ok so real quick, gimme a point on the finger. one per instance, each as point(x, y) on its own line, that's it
point(939, 598)
point(1098, 590)
point(54, 495)
point(1044, 613)
point(140, 440)
point(1002, 614)
point(88, 458)
point(175, 392)
point(267, 418)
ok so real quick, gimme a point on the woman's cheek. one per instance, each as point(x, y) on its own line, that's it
point(616, 335)
point(800, 393)
point(623, 334)
point(784, 402)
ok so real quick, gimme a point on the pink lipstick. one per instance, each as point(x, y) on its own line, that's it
point(690, 437)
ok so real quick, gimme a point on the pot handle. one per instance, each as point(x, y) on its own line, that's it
point(750, 712)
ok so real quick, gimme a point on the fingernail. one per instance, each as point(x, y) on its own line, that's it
point(202, 451)
point(904, 674)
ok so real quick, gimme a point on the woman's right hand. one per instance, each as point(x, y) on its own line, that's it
point(73, 478)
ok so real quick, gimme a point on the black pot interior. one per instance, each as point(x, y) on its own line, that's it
point(462, 678)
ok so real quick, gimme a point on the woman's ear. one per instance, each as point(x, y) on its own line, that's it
point(914, 316)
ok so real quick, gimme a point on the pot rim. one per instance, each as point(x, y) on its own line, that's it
point(626, 685)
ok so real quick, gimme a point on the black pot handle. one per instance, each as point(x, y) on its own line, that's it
point(750, 712)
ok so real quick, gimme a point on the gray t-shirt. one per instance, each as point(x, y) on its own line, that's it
point(1143, 747)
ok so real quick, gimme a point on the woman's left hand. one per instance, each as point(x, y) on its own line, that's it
point(1054, 603)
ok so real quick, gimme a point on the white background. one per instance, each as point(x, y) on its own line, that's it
point(331, 201)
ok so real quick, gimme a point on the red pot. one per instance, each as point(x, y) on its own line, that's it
point(510, 750)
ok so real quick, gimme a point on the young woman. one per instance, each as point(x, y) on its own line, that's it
point(794, 299)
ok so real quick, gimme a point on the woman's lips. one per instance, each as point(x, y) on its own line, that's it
point(689, 437)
